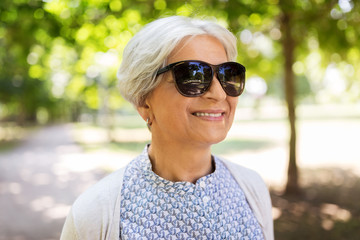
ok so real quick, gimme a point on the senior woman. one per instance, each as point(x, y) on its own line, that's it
point(181, 76)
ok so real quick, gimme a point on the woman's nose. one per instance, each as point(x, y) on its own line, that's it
point(215, 91)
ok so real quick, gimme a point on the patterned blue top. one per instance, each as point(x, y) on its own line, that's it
point(155, 208)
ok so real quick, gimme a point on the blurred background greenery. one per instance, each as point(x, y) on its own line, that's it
point(58, 63)
point(59, 58)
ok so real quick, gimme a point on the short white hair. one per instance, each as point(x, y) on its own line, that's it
point(149, 49)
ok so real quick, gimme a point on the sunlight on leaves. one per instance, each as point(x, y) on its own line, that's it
point(84, 32)
point(255, 19)
point(36, 71)
point(185, 10)
point(160, 4)
point(115, 5)
point(55, 6)
point(91, 98)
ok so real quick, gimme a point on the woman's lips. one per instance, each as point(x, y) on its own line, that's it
point(218, 115)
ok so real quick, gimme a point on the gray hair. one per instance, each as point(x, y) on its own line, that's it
point(149, 49)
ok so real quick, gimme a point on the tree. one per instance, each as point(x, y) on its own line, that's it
point(22, 88)
point(61, 55)
point(332, 25)
point(300, 22)
point(288, 45)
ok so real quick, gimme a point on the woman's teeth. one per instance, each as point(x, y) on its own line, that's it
point(200, 114)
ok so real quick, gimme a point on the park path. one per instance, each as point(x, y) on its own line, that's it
point(36, 188)
point(40, 179)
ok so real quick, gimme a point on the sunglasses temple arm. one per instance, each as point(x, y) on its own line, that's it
point(164, 69)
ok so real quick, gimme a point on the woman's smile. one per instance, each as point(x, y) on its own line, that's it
point(210, 115)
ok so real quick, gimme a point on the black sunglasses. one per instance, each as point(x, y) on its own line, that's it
point(193, 78)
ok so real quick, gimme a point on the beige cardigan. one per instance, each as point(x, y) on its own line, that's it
point(96, 213)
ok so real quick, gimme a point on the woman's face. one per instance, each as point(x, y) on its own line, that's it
point(203, 120)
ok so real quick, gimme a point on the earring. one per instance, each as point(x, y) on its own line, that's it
point(148, 123)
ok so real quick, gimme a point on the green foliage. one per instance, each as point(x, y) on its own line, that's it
point(64, 53)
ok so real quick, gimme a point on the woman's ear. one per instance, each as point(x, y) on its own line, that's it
point(144, 110)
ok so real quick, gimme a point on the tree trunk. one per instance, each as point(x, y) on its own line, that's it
point(288, 43)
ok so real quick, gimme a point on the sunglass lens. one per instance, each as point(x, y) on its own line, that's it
point(232, 78)
point(192, 78)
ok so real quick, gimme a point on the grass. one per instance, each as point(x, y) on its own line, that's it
point(6, 146)
point(132, 147)
point(130, 122)
point(237, 145)
point(128, 146)
point(11, 136)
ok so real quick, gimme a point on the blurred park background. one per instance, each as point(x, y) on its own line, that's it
point(63, 124)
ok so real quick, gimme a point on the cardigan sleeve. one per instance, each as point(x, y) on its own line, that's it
point(96, 213)
point(257, 194)
point(69, 229)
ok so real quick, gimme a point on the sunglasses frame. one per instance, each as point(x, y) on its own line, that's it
point(214, 69)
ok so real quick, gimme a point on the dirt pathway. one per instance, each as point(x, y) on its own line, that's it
point(40, 179)
point(36, 190)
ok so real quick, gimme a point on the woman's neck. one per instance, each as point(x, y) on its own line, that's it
point(180, 162)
